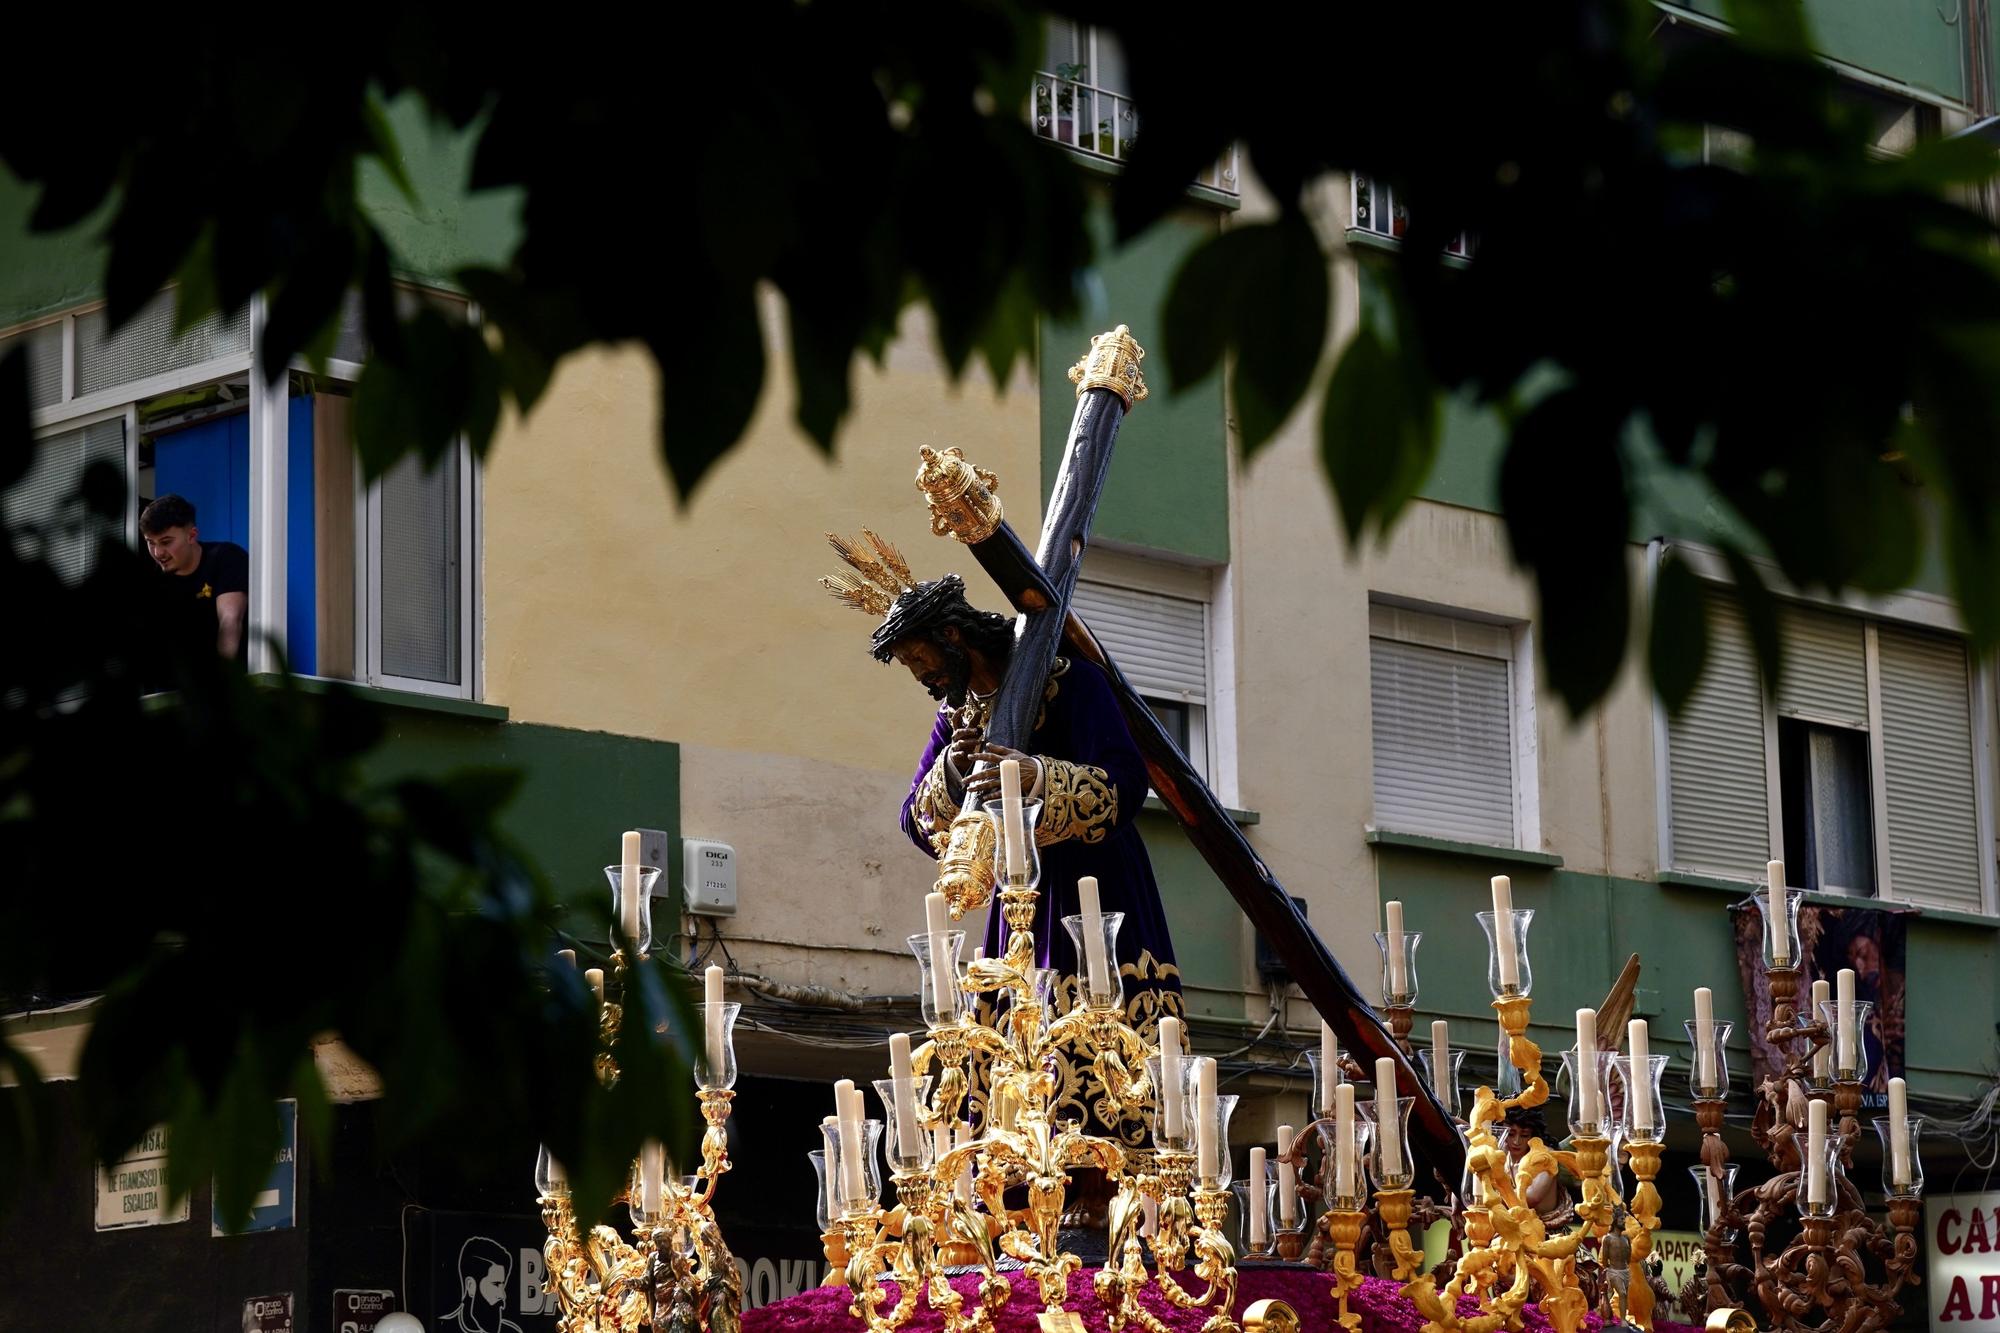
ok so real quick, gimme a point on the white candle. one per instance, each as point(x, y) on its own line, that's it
point(1151, 1208)
point(1399, 982)
point(1816, 1151)
point(1260, 1228)
point(1774, 913)
point(1899, 1133)
point(1845, 1031)
point(569, 958)
point(1639, 1088)
point(1822, 1061)
point(1343, 1141)
point(1012, 829)
point(1093, 936)
point(1204, 1118)
point(652, 1176)
point(944, 991)
point(1329, 1062)
point(711, 994)
point(1714, 1195)
point(901, 1075)
point(1288, 1180)
point(962, 1135)
point(1587, 1111)
point(1503, 933)
point(1441, 1057)
point(853, 1180)
point(1172, 1110)
point(832, 1164)
point(940, 1144)
point(1389, 1149)
point(628, 886)
point(595, 976)
point(1704, 1036)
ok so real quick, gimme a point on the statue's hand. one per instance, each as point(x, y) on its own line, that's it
point(985, 784)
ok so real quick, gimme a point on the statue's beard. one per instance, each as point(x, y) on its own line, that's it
point(958, 675)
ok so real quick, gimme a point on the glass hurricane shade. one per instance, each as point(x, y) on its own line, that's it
point(1855, 1068)
point(1110, 922)
point(1566, 1088)
point(1156, 1114)
point(1031, 856)
point(550, 1179)
point(1706, 1201)
point(1240, 1204)
point(1913, 1185)
point(1404, 993)
point(708, 1073)
point(905, 1157)
point(1643, 1118)
point(927, 1000)
point(1718, 1085)
point(1364, 1140)
point(871, 1170)
point(1444, 1086)
point(1524, 975)
point(1399, 1171)
point(1323, 1085)
point(1794, 898)
point(620, 927)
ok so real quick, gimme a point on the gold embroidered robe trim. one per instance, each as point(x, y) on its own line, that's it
point(1078, 802)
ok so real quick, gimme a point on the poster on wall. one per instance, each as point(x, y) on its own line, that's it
point(1962, 1237)
point(359, 1309)
point(1867, 939)
point(276, 1206)
point(132, 1192)
point(485, 1276)
point(268, 1314)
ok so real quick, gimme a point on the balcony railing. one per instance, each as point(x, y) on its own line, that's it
point(1103, 123)
point(1374, 208)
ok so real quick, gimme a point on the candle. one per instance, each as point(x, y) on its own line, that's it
point(1846, 1035)
point(1714, 1196)
point(569, 958)
point(1260, 1228)
point(1822, 1063)
point(711, 994)
point(1389, 1150)
point(1440, 1057)
point(1503, 934)
point(962, 1135)
point(1343, 1142)
point(1774, 913)
point(832, 1167)
point(1704, 1037)
point(944, 994)
point(1011, 823)
point(1587, 1109)
point(628, 887)
point(1899, 1133)
point(1204, 1118)
point(1399, 982)
point(940, 1143)
point(1329, 1064)
point(652, 1176)
point(1172, 1093)
point(1288, 1180)
point(907, 1140)
point(1639, 1089)
point(595, 976)
point(1151, 1207)
point(1816, 1151)
point(853, 1180)
point(1093, 936)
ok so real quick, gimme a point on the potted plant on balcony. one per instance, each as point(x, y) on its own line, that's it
point(1060, 124)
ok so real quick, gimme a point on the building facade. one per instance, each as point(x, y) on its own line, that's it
point(1375, 717)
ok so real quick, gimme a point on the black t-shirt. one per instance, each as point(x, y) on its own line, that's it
point(190, 598)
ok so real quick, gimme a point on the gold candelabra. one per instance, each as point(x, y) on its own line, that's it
point(943, 1219)
point(676, 1274)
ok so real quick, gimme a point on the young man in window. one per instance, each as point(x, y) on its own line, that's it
point(206, 585)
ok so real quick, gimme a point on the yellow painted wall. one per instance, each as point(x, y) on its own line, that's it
point(610, 607)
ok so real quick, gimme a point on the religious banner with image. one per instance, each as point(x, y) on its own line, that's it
point(1867, 939)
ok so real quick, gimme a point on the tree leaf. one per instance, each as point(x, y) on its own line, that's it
point(1760, 611)
point(1679, 632)
point(1378, 434)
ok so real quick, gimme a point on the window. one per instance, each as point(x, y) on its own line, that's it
point(1373, 208)
point(1450, 759)
point(1154, 624)
point(1082, 99)
point(1862, 772)
point(376, 583)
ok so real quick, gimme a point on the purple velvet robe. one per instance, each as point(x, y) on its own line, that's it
point(1092, 794)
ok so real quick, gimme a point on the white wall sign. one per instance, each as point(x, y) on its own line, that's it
point(1962, 1234)
point(133, 1191)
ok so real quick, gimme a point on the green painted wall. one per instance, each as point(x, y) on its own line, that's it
point(1585, 926)
point(445, 229)
point(1914, 42)
point(1169, 483)
point(1206, 923)
point(580, 790)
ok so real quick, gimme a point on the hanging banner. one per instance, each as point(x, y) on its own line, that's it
point(1867, 939)
point(132, 1192)
point(276, 1206)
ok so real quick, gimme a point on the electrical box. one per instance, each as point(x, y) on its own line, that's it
point(1270, 970)
point(708, 875)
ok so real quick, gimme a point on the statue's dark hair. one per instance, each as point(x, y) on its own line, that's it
point(929, 609)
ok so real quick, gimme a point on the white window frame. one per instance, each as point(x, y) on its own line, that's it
point(269, 486)
point(1918, 610)
point(1524, 735)
point(1211, 720)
